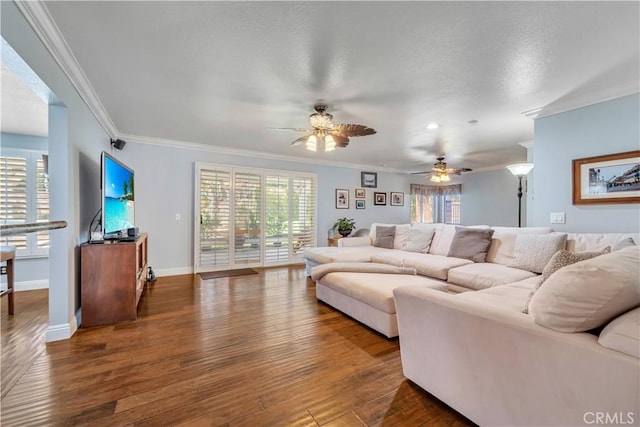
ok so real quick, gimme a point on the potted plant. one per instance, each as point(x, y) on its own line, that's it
point(344, 226)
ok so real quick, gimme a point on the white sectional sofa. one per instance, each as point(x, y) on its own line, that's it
point(465, 338)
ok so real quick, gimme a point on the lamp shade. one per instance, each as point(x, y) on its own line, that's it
point(520, 169)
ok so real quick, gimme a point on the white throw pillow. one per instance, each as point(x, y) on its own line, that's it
point(590, 293)
point(418, 240)
point(402, 232)
point(533, 251)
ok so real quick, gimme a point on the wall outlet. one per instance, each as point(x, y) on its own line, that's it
point(557, 218)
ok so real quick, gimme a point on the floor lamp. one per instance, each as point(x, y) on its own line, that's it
point(520, 170)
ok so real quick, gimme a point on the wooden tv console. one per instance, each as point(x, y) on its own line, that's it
point(113, 275)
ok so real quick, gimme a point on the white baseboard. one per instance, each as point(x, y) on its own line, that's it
point(61, 332)
point(31, 285)
point(163, 272)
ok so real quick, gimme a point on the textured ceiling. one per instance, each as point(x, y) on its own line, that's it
point(222, 73)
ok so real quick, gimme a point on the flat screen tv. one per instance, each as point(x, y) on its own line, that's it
point(118, 201)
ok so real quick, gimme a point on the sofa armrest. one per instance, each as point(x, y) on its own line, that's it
point(498, 367)
point(348, 242)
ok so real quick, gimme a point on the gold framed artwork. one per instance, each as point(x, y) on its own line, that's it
point(608, 179)
point(360, 193)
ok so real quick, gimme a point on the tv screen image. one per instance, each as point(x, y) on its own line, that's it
point(118, 196)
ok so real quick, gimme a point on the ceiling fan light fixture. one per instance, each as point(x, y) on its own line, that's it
point(445, 178)
point(432, 126)
point(329, 143)
point(312, 143)
point(435, 178)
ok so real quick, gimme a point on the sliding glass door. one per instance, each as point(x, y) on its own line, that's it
point(252, 217)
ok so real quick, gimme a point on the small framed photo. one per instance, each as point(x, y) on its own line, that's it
point(369, 179)
point(397, 199)
point(380, 199)
point(342, 199)
point(359, 204)
point(360, 193)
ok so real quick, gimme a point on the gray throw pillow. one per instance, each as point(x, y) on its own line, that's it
point(384, 237)
point(471, 243)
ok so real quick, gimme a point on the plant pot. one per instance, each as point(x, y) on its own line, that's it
point(345, 233)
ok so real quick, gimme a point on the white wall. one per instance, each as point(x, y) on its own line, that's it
point(605, 128)
point(165, 187)
point(30, 273)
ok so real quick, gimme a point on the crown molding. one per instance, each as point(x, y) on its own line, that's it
point(39, 18)
point(171, 143)
point(526, 144)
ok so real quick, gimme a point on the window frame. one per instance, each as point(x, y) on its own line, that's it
point(32, 207)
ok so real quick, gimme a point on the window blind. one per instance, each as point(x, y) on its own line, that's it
point(215, 214)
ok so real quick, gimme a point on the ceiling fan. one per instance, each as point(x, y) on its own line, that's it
point(325, 134)
point(440, 172)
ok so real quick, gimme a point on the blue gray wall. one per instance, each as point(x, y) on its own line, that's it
point(605, 128)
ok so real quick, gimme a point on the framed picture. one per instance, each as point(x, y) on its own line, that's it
point(359, 204)
point(342, 199)
point(359, 193)
point(614, 178)
point(380, 199)
point(397, 199)
point(369, 179)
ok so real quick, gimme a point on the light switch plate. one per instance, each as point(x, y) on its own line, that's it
point(557, 218)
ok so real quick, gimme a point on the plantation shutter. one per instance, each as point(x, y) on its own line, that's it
point(13, 186)
point(303, 215)
point(215, 215)
point(42, 203)
point(276, 219)
point(252, 217)
point(247, 197)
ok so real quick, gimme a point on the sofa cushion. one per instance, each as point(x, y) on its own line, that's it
point(561, 259)
point(623, 334)
point(385, 236)
point(402, 231)
point(590, 293)
point(624, 243)
point(508, 297)
point(323, 255)
point(533, 252)
point(470, 243)
point(486, 275)
point(503, 242)
point(394, 257)
point(418, 240)
point(443, 237)
point(436, 266)
point(375, 289)
point(589, 242)
point(375, 225)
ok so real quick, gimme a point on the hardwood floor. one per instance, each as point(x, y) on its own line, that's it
point(256, 350)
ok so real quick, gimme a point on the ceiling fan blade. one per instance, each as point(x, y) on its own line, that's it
point(296, 129)
point(341, 141)
point(349, 130)
point(422, 173)
point(300, 140)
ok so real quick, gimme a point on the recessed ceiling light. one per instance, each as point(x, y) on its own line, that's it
point(433, 126)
